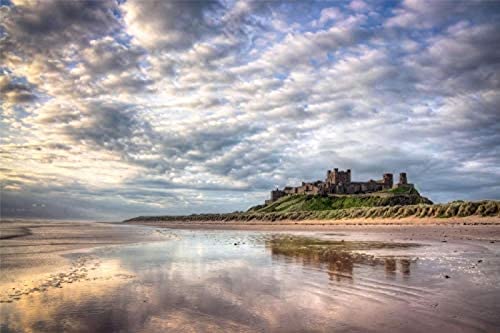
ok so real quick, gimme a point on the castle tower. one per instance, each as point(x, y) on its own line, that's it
point(343, 177)
point(276, 194)
point(388, 180)
point(335, 175)
point(402, 178)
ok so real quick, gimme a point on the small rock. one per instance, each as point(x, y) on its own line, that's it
point(480, 261)
point(447, 276)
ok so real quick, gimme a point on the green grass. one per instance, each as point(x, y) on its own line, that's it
point(298, 203)
point(402, 190)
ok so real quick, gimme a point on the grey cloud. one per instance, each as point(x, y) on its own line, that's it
point(118, 128)
point(111, 126)
point(435, 14)
point(128, 84)
point(59, 146)
point(301, 49)
point(148, 184)
point(46, 25)
point(107, 56)
point(171, 24)
point(464, 58)
point(112, 204)
point(57, 36)
point(14, 90)
point(70, 206)
point(109, 65)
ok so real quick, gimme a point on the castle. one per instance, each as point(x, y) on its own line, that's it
point(339, 182)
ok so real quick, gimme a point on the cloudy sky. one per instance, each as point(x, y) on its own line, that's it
point(112, 109)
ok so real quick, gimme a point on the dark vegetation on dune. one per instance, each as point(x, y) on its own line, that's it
point(388, 204)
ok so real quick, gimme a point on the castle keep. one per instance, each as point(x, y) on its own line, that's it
point(339, 182)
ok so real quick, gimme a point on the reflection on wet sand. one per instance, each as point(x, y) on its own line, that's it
point(60, 308)
point(338, 257)
point(84, 268)
point(211, 281)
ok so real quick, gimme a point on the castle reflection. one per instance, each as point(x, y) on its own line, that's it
point(337, 258)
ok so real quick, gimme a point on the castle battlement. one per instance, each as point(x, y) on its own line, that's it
point(339, 182)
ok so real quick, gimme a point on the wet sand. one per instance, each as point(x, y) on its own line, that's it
point(325, 224)
point(484, 229)
point(93, 277)
point(32, 249)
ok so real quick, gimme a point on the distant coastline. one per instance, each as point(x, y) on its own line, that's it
point(338, 200)
point(468, 212)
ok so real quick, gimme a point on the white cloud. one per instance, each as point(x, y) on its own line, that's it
point(328, 15)
point(358, 5)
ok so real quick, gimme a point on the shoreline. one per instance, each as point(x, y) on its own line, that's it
point(482, 226)
point(406, 221)
point(35, 247)
point(485, 230)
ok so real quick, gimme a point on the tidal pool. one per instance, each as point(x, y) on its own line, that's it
point(248, 281)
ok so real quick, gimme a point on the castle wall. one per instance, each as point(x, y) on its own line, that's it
point(339, 182)
point(308, 188)
point(364, 187)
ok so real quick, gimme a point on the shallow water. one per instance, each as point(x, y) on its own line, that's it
point(203, 281)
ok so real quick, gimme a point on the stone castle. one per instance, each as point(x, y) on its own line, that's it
point(339, 182)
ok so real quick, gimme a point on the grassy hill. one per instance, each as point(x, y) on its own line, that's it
point(394, 203)
point(299, 203)
point(422, 210)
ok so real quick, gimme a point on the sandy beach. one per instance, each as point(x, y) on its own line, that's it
point(30, 248)
point(460, 228)
point(100, 277)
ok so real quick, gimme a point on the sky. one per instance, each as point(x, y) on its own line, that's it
point(113, 109)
